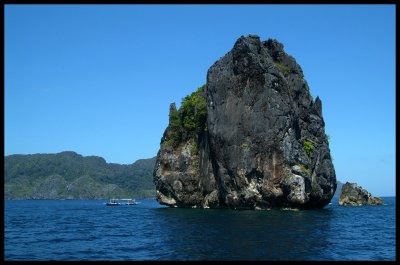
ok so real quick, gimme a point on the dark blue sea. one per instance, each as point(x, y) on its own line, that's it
point(89, 230)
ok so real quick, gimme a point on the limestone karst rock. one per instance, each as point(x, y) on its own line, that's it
point(352, 194)
point(262, 145)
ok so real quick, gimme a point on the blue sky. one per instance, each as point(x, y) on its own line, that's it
point(98, 79)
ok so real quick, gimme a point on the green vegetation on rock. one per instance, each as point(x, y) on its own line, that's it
point(328, 137)
point(284, 69)
point(194, 149)
point(189, 121)
point(308, 89)
point(308, 147)
point(304, 168)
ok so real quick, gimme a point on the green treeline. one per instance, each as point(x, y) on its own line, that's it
point(68, 175)
point(190, 120)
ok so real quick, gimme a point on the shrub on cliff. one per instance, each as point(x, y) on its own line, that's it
point(189, 120)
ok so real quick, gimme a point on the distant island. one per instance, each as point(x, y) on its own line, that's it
point(338, 188)
point(68, 175)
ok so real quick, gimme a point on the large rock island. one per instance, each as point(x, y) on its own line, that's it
point(251, 138)
point(354, 195)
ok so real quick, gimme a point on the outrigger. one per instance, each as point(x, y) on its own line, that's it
point(113, 202)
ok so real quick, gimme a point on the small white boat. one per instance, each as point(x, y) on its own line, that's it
point(113, 202)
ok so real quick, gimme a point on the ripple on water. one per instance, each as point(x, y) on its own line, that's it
point(88, 230)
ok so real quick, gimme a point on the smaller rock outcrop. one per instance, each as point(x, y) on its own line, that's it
point(352, 194)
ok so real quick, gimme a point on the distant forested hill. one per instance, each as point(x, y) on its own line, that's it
point(68, 175)
point(338, 189)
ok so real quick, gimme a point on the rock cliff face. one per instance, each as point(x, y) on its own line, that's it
point(263, 144)
point(352, 194)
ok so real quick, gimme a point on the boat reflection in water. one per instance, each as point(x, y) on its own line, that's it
point(116, 202)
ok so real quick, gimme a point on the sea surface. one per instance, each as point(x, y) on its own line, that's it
point(90, 230)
